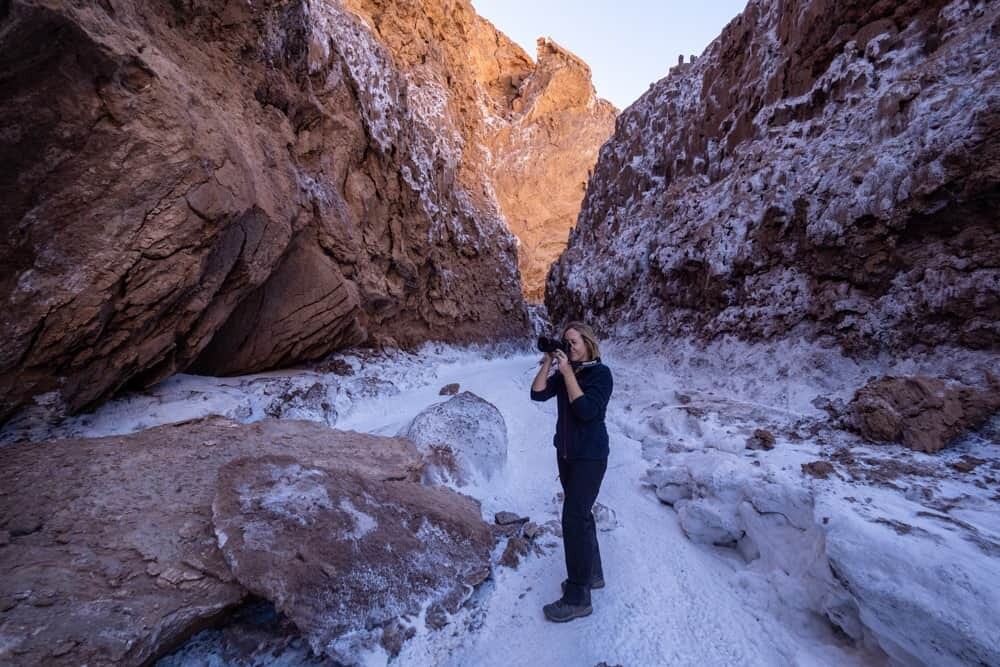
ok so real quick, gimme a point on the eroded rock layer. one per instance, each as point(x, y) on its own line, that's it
point(543, 158)
point(824, 168)
point(229, 187)
point(531, 130)
point(107, 545)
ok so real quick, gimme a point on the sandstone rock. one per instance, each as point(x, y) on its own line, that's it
point(761, 439)
point(504, 518)
point(449, 389)
point(112, 539)
point(517, 547)
point(349, 559)
point(818, 469)
point(531, 530)
point(233, 188)
point(544, 157)
point(819, 171)
point(463, 439)
point(923, 413)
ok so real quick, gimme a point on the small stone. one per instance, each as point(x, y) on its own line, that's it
point(761, 439)
point(517, 547)
point(531, 530)
point(818, 469)
point(505, 518)
point(449, 389)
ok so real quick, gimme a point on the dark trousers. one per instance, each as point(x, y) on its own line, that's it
point(581, 481)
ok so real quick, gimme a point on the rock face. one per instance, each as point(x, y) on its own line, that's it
point(529, 130)
point(230, 187)
point(543, 157)
point(351, 560)
point(923, 413)
point(825, 168)
point(112, 557)
point(463, 439)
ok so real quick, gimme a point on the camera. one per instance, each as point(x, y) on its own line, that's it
point(550, 345)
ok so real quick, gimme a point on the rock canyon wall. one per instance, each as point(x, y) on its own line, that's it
point(229, 187)
point(530, 130)
point(825, 169)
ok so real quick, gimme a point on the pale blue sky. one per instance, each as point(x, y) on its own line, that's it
point(628, 43)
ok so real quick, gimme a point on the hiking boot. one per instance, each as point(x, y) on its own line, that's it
point(597, 582)
point(560, 612)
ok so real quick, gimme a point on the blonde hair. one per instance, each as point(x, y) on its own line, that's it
point(588, 336)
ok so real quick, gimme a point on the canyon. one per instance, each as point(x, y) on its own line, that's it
point(272, 273)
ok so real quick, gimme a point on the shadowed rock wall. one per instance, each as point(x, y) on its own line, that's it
point(227, 187)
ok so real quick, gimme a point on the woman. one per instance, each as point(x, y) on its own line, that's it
point(582, 386)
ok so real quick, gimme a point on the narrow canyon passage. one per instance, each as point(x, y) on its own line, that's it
point(668, 601)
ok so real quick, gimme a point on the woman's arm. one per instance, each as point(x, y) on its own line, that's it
point(541, 378)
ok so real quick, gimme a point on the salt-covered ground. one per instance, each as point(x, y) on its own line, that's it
point(673, 597)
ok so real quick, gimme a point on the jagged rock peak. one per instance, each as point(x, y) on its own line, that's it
point(548, 51)
point(823, 169)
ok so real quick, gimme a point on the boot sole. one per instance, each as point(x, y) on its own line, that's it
point(584, 611)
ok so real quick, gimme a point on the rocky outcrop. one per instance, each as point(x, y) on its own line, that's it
point(110, 556)
point(463, 439)
point(229, 187)
point(543, 157)
point(352, 561)
point(826, 169)
point(922, 413)
point(531, 130)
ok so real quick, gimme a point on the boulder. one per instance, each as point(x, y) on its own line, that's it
point(112, 557)
point(463, 439)
point(353, 561)
point(923, 413)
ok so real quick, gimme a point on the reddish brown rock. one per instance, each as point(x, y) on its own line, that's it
point(531, 130)
point(353, 561)
point(543, 158)
point(112, 558)
point(230, 187)
point(825, 169)
point(922, 413)
point(818, 469)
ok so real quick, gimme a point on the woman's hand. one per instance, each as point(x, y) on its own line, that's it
point(562, 361)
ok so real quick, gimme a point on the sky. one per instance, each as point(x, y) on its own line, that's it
point(628, 44)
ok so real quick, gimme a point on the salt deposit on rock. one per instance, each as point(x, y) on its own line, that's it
point(921, 412)
point(869, 537)
point(463, 439)
point(355, 562)
point(233, 188)
point(111, 555)
point(823, 169)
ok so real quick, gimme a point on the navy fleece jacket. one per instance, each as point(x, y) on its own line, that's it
point(580, 429)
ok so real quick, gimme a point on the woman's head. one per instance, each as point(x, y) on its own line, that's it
point(582, 342)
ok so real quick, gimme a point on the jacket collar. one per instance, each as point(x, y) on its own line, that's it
point(580, 365)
